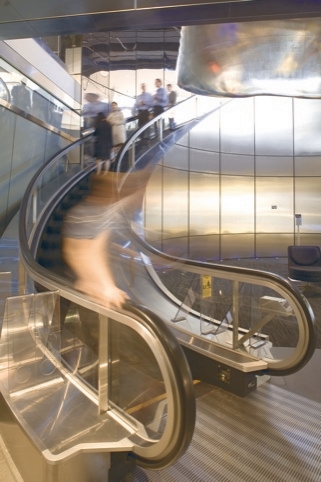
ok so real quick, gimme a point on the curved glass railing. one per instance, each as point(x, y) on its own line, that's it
point(256, 319)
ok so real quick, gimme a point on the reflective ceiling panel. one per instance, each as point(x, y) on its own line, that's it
point(278, 57)
point(130, 50)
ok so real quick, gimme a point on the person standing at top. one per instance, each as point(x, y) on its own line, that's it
point(21, 96)
point(160, 102)
point(117, 121)
point(172, 98)
point(144, 103)
point(103, 144)
point(160, 98)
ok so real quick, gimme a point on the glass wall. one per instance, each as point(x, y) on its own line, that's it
point(34, 126)
point(25, 146)
point(26, 95)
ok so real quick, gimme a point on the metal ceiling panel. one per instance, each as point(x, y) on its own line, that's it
point(60, 17)
point(61, 26)
point(17, 30)
point(37, 9)
point(183, 3)
point(130, 50)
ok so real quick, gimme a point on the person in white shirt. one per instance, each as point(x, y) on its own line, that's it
point(118, 131)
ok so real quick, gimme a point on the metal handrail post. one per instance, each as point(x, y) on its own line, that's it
point(160, 127)
point(34, 206)
point(132, 154)
point(82, 156)
point(103, 370)
point(235, 312)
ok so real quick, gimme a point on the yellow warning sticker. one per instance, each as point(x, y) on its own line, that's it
point(206, 286)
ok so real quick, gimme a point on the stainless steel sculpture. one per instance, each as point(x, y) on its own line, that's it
point(277, 57)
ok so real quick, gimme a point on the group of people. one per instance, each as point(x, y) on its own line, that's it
point(110, 135)
point(109, 122)
point(148, 106)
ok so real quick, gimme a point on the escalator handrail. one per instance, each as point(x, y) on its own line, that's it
point(247, 275)
point(178, 434)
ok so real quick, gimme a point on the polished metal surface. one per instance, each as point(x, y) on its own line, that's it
point(237, 204)
point(279, 57)
point(130, 50)
point(255, 165)
point(274, 191)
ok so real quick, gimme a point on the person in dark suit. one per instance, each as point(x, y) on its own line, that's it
point(172, 98)
point(103, 145)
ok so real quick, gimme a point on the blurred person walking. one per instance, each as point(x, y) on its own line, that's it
point(92, 108)
point(92, 229)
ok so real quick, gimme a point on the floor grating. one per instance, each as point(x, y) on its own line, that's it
point(271, 435)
